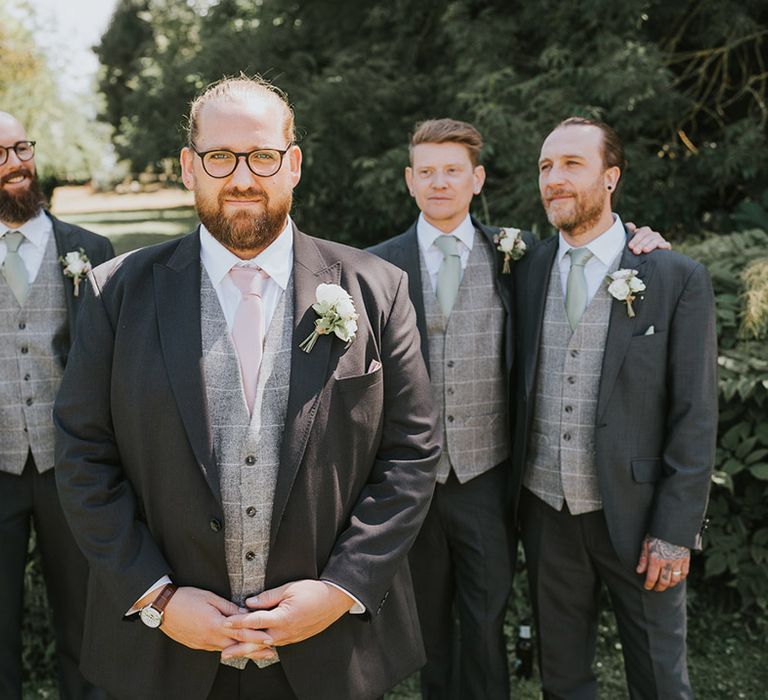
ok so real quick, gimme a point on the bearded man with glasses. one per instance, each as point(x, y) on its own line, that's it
point(248, 488)
point(38, 310)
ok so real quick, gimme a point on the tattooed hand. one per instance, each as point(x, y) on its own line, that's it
point(663, 564)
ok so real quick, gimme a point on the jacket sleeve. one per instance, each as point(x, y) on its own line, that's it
point(689, 450)
point(96, 496)
point(393, 503)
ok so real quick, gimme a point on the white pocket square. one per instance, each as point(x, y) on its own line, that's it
point(651, 330)
point(375, 364)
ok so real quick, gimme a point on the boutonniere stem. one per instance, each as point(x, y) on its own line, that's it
point(337, 315)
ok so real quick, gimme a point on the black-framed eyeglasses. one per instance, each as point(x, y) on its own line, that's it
point(263, 162)
point(24, 151)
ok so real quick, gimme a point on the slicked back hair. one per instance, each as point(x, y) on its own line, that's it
point(241, 87)
point(448, 131)
point(613, 148)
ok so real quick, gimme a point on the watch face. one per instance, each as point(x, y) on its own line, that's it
point(151, 617)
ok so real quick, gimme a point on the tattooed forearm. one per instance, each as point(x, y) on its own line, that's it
point(665, 550)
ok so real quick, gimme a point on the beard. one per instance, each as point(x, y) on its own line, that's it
point(584, 212)
point(243, 230)
point(18, 207)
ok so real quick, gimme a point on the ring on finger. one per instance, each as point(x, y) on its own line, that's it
point(677, 573)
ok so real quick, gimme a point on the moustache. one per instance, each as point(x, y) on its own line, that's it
point(249, 194)
point(26, 172)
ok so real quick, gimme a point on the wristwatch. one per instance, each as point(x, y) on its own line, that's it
point(152, 615)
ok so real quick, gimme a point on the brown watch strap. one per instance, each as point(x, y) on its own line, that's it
point(164, 596)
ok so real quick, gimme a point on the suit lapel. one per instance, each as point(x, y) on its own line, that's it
point(308, 370)
point(504, 290)
point(408, 258)
point(621, 328)
point(534, 286)
point(66, 242)
point(177, 301)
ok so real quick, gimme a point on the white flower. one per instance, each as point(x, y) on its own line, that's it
point(623, 285)
point(510, 242)
point(337, 315)
point(77, 266)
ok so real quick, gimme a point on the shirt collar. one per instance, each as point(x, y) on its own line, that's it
point(276, 259)
point(427, 233)
point(36, 230)
point(605, 247)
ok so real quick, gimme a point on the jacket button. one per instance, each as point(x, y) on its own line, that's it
point(571, 380)
point(24, 349)
point(215, 524)
point(569, 409)
point(22, 325)
point(450, 363)
point(451, 419)
point(29, 402)
point(250, 511)
point(574, 353)
point(250, 460)
point(567, 437)
point(250, 556)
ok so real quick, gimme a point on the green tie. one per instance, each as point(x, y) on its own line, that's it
point(449, 274)
point(576, 289)
point(14, 270)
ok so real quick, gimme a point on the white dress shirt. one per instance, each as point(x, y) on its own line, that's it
point(277, 261)
point(605, 248)
point(433, 256)
point(37, 232)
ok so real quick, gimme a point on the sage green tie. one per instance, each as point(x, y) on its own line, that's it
point(14, 269)
point(449, 274)
point(576, 288)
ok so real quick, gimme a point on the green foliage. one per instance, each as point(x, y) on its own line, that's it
point(68, 147)
point(684, 83)
point(736, 544)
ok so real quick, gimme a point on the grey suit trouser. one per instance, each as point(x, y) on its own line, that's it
point(26, 498)
point(569, 557)
point(462, 565)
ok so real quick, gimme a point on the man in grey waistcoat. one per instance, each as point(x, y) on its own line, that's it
point(247, 442)
point(461, 286)
point(616, 420)
point(38, 309)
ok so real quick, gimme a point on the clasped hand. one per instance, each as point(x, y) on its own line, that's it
point(290, 613)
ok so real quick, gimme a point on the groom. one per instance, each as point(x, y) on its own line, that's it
point(246, 500)
point(615, 426)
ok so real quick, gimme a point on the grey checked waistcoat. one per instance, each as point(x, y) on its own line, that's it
point(247, 449)
point(561, 459)
point(466, 368)
point(30, 368)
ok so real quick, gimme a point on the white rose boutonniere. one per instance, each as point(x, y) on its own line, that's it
point(337, 315)
point(77, 266)
point(510, 242)
point(623, 285)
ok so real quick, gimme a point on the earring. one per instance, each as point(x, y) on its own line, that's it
point(609, 188)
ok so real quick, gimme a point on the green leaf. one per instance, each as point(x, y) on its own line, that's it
point(760, 471)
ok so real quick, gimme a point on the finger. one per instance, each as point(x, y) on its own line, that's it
point(631, 227)
point(248, 649)
point(224, 606)
point(685, 567)
point(260, 619)
point(653, 573)
point(244, 634)
point(266, 599)
point(665, 577)
point(642, 562)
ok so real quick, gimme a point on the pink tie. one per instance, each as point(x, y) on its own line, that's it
point(248, 328)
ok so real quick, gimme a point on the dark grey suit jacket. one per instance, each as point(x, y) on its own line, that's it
point(656, 419)
point(140, 484)
point(98, 249)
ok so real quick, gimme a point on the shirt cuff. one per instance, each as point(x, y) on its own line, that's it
point(357, 609)
point(160, 583)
